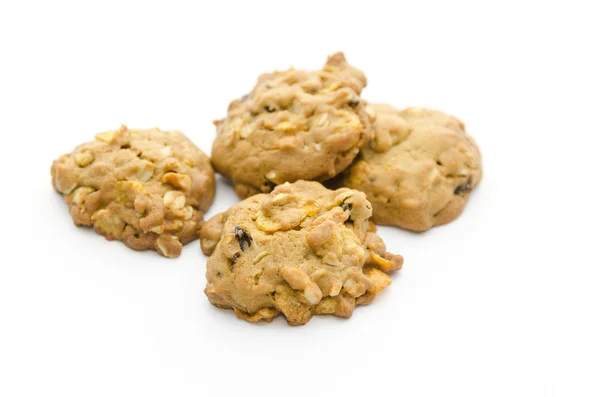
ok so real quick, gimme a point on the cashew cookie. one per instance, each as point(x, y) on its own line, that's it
point(293, 125)
point(301, 250)
point(147, 188)
point(419, 169)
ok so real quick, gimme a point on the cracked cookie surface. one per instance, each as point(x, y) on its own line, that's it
point(293, 125)
point(419, 169)
point(146, 187)
point(301, 250)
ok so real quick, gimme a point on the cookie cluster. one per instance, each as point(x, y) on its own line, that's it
point(303, 249)
point(292, 246)
point(416, 166)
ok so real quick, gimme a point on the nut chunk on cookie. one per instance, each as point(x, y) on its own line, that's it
point(293, 125)
point(147, 188)
point(419, 169)
point(300, 250)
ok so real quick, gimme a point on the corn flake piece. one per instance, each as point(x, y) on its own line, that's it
point(385, 264)
point(379, 278)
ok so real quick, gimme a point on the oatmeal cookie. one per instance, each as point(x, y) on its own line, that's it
point(419, 169)
point(147, 188)
point(293, 125)
point(301, 250)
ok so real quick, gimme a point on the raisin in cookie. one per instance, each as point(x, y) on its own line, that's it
point(147, 188)
point(419, 169)
point(300, 250)
point(293, 125)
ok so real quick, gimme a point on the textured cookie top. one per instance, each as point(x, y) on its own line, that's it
point(300, 250)
point(148, 188)
point(418, 170)
point(293, 125)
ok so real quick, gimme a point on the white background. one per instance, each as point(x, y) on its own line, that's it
point(504, 301)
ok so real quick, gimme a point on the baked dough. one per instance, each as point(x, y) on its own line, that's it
point(148, 188)
point(293, 125)
point(419, 169)
point(300, 250)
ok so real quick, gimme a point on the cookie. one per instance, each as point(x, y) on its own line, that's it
point(293, 125)
point(419, 169)
point(301, 250)
point(147, 188)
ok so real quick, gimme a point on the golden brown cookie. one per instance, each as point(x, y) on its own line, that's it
point(300, 250)
point(293, 125)
point(147, 188)
point(419, 169)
